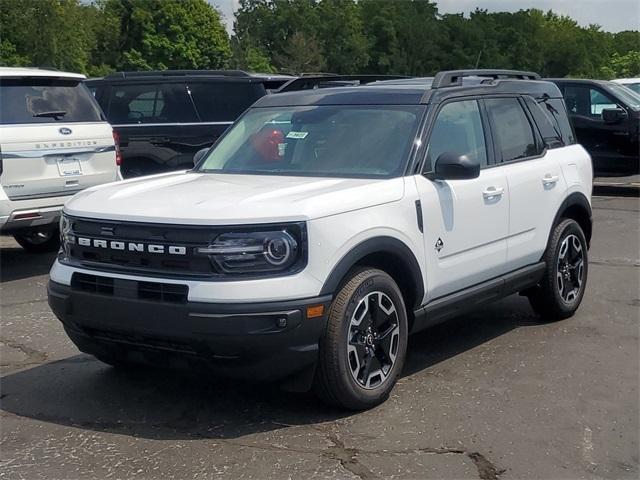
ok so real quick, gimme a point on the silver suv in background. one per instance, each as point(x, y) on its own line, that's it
point(54, 142)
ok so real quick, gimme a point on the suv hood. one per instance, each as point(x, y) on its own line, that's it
point(217, 199)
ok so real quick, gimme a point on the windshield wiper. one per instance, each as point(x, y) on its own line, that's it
point(56, 114)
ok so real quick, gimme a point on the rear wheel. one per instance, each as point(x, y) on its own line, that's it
point(39, 240)
point(363, 348)
point(561, 290)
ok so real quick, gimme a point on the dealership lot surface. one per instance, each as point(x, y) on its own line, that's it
point(492, 394)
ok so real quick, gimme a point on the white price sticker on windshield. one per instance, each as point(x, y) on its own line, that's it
point(297, 135)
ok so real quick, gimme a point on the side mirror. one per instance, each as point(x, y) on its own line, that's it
point(613, 115)
point(451, 166)
point(199, 155)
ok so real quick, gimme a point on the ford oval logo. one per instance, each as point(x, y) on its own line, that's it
point(65, 131)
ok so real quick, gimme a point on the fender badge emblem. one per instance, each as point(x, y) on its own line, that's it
point(439, 245)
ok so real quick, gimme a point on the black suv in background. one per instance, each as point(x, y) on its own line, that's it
point(162, 118)
point(606, 119)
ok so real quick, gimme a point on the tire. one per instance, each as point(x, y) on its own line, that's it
point(359, 374)
point(562, 287)
point(39, 240)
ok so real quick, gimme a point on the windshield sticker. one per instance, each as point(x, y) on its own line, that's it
point(297, 135)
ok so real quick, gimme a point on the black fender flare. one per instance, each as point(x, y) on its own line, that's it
point(397, 249)
point(580, 201)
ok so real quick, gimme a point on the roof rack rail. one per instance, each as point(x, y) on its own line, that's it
point(453, 78)
point(177, 73)
point(309, 82)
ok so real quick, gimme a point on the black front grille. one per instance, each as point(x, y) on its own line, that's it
point(138, 257)
point(154, 291)
point(141, 340)
point(92, 283)
point(163, 292)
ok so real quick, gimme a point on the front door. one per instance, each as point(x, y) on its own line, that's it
point(465, 221)
point(608, 144)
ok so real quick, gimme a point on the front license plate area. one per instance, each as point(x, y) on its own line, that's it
point(69, 167)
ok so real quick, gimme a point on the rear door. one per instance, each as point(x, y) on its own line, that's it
point(533, 172)
point(54, 139)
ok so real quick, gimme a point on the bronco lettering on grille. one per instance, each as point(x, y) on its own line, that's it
point(131, 246)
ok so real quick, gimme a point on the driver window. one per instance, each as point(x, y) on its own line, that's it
point(586, 101)
point(458, 129)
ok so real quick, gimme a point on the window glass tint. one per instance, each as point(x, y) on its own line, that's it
point(551, 118)
point(458, 129)
point(150, 103)
point(326, 141)
point(633, 86)
point(512, 129)
point(42, 100)
point(586, 101)
point(626, 95)
point(225, 101)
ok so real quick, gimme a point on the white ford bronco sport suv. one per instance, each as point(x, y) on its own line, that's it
point(325, 226)
point(54, 141)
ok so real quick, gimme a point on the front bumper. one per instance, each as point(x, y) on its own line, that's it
point(261, 341)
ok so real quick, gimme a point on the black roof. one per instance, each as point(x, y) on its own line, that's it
point(451, 84)
point(168, 75)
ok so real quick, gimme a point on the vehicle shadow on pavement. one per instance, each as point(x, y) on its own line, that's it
point(17, 264)
point(82, 392)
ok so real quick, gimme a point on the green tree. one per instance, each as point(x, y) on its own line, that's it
point(47, 33)
point(153, 34)
point(622, 66)
point(301, 54)
point(344, 45)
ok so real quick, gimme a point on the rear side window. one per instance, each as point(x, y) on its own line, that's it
point(512, 130)
point(458, 129)
point(46, 100)
point(224, 101)
point(150, 103)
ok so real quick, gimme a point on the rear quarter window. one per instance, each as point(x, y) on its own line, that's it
point(551, 119)
point(46, 100)
point(224, 101)
point(138, 103)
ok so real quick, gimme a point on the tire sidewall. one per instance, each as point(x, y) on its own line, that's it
point(566, 228)
point(50, 245)
point(378, 281)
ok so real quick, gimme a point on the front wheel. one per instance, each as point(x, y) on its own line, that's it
point(363, 348)
point(39, 240)
point(561, 290)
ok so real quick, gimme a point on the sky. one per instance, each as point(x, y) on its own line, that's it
point(611, 15)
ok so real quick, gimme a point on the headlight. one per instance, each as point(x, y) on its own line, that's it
point(65, 238)
point(269, 251)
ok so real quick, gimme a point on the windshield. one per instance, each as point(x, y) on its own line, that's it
point(331, 141)
point(628, 96)
point(633, 86)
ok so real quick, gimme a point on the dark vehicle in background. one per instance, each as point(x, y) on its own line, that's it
point(606, 119)
point(162, 118)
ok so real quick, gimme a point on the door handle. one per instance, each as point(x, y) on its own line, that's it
point(492, 192)
point(549, 179)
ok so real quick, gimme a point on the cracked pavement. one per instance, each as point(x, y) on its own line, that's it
point(491, 395)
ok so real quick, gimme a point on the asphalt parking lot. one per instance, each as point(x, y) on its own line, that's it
point(491, 395)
